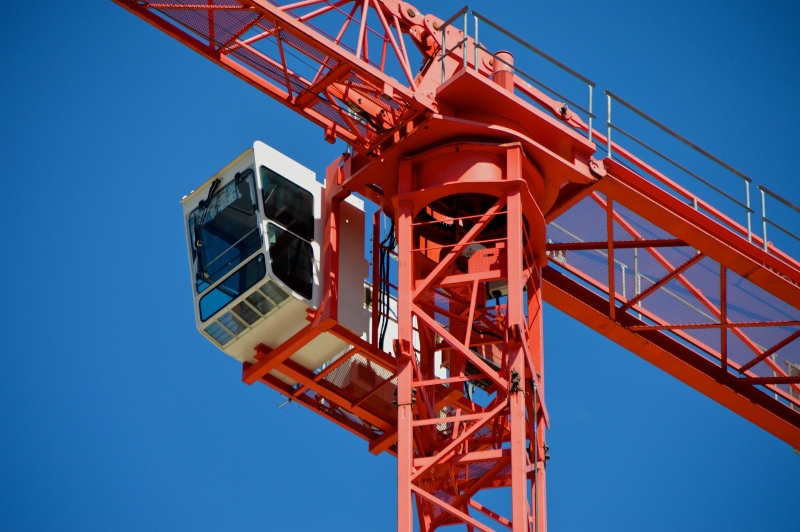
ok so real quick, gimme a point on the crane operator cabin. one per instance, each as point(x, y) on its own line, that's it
point(254, 233)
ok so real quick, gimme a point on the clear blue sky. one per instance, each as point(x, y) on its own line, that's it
point(115, 414)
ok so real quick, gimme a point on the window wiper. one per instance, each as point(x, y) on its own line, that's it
point(198, 232)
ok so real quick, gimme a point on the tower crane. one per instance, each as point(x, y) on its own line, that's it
point(500, 197)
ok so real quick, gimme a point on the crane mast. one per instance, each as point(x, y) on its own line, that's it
point(498, 203)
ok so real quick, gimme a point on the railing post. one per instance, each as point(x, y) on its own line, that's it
point(591, 112)
point(475, 41)
point(749, 212)
point(444, 49)
point(764, 218)
point(464, 39)
point(723, 317)
point(608, 126)
point(612, 291)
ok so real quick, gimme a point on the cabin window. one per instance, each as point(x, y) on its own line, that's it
point(291, 259)
point(235, 285)
point(224, 231)
point(288, 204)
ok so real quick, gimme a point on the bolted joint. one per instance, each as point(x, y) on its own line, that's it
point(597, 168)
point(413, 398)
point(402, 349)
point(515, 380)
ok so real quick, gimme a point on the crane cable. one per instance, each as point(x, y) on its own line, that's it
point(387, 246)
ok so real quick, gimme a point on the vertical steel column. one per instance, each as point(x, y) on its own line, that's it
point(536, 349)
point(516, 358)
point(329, 307)
point(404, 351)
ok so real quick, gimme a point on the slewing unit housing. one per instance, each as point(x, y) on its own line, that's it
point(254, 238)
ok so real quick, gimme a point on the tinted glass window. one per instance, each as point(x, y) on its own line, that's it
point(224, 231)
point(291, 259)
point(235, 285)
point(288, 204)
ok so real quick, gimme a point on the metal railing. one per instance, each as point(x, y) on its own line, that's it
point(464, 14)
point(609, 150)
point(744, 203)
point(766, 221)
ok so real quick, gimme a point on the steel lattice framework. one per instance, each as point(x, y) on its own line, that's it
point(460, 161)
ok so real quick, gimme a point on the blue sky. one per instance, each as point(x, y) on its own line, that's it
point(115, 414)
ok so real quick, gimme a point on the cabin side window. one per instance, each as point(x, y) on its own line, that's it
point(292, 260)
point(288, 204)
point(223, 231)
point(290, 209)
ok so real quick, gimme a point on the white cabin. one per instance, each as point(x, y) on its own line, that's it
point(254, 237)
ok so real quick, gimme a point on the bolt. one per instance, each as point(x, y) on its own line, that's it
point(514, 381)
point(411, 13)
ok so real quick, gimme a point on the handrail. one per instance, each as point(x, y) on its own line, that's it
point(534, 49)
point(669, 160)
point(747, 180)
point(518, 70)
point(678, 136)
point(764, 220)
point(466, 12)
point(452, 19)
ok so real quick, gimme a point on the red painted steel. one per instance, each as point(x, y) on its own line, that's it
point(450, 445)
point(492, 195)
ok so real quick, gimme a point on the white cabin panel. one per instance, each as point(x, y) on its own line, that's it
point(255, 258)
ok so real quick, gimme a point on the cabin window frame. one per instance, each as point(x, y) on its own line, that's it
point(244, 287)
point(286, 215)
point(252, 240)
point(298, 277)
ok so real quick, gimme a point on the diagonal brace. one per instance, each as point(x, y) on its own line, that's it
point(459, 248)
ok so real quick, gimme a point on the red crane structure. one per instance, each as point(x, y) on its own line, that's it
point(499, 201)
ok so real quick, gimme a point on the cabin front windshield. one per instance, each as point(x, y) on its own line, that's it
point(224, 231)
